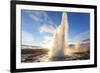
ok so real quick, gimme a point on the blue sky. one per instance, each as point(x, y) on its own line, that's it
point(38, 26)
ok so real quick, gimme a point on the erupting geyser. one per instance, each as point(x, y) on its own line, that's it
point(60, 39)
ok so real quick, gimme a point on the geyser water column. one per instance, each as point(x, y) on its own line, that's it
point(60, 39)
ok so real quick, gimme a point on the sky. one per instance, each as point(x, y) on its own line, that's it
point(38, 27)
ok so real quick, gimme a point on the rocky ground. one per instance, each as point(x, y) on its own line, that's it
point(41, 55)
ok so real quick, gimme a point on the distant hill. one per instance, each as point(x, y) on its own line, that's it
point(34, 51)
point(27, 49)
point(30, 47)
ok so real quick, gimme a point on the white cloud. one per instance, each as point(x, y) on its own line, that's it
point(47, 29)
point(47, 42)
point(27, 38)
point(41, 17)
point(81, 36)
point(35, 18)
point(38, 16)
point(47, 39)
